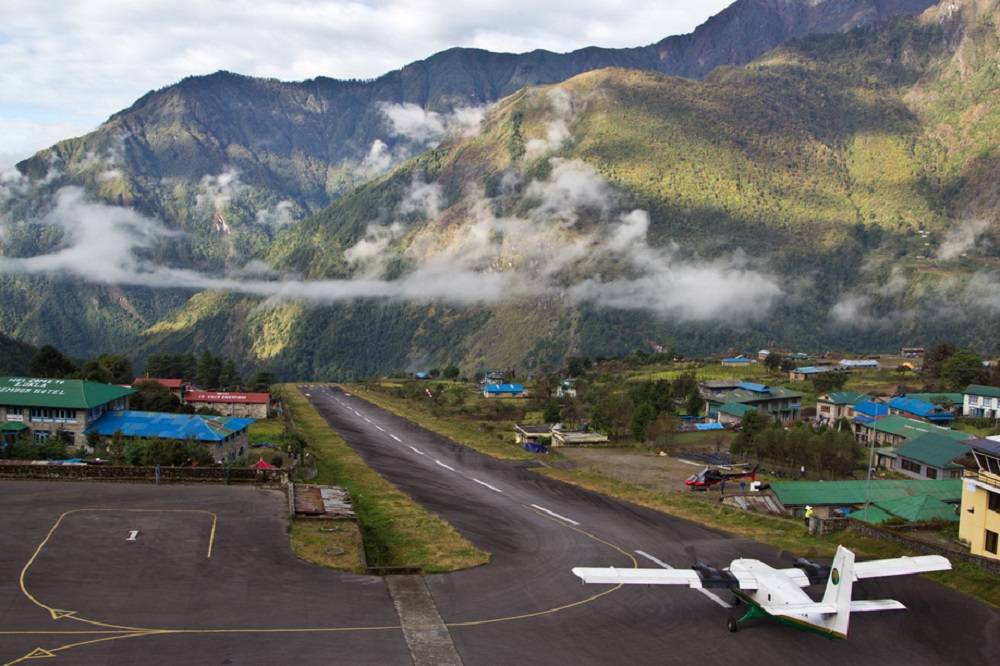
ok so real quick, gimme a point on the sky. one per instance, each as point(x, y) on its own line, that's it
point(68, 65)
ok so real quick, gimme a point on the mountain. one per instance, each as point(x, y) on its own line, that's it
point(15, 357)
point(855, 172)
point(775, 160)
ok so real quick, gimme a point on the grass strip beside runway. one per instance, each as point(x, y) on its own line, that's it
point(397, 531)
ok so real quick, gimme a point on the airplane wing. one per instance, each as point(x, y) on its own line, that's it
point(900, 566)
point(688, 577)
point(613, 576)
point(876, 605)
point(800, 609)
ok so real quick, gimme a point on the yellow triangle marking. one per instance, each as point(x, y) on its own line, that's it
point(57, 613)
point(39, 653)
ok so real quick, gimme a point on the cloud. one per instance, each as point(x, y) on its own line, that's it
point(556, 130)
point(429, 128)
point(378, 160)
point(963, 238)
point(280, 216)
point(471, 255)
point(218, 191)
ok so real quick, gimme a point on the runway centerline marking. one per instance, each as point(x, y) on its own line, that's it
point(554, 514)
point(493, 488)
point(711, 595)
point(416, 450)
point(449, 467)
point(380, 428)
point(396, 438)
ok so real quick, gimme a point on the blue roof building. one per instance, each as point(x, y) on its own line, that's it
point(226, 435)
point(737, 360)
point(502, 390)
point(871, 409)
point(919, 409)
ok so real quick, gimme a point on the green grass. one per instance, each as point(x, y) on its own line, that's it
point(397, 531)
point(494, 438)
point(334, 544)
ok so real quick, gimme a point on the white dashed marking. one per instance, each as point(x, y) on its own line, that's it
point(554, 514)
point(367, 420)
point(378, 427)
point(416, 450)
point(449, 467)
point(396, 438)
point(493, 488)
point(714, 597)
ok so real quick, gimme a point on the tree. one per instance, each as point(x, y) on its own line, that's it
point(825, 382)
point(685, 384)
point(695, 403)
point(643, 417)
point(962, 368)
point(209, 371)
point(935, 357)
point(229, 378)
point(152, 396)
point(663, 431)
point(773, 362)
point(261, 382)
point(552, 412)
point(94, 372)
point(576, 366)
point(49, 363)
point(613, 414)
point(118, 368)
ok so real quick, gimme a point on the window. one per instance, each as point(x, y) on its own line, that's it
point(931, 473)
point(909, 465)
point(994, 502)
point(991, 542)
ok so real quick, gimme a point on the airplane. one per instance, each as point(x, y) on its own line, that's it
point(710, 476)
point(777, 593)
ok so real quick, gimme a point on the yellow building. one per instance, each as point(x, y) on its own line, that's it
point(980, 515)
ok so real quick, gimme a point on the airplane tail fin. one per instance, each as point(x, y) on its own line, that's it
point(838, 592)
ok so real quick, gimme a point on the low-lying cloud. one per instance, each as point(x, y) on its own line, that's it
point(963, 238)
point(429, 128)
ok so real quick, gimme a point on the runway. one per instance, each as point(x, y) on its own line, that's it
point(211, 579)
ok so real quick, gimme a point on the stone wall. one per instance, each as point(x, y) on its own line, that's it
point(117, 473)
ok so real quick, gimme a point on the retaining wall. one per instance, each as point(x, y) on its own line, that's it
point(117, 473)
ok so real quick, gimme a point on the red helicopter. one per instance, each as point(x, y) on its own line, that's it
point(710, 476)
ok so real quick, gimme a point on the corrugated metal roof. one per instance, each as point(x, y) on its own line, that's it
point(58, 393)
point(505, 388)
point(162, 381)
point(985, 391)
point(871, 409)
point(872, 515)
point(736, 409)
point(737, 359)
point(934, 450)
point(920, 408)
point(845, 493)
point(844, 397)
point(920, 509)
point(812, 370)
point(709, 426)
point(904, 427)
point(13, 427)
point(227, 398)
point(935, 398)
point(168, 426)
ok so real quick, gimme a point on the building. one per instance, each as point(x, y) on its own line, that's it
point(737, 361)
point(175, 386)
point(842, 498)
point(979, 519)
point(918, 409)
point(865, 413)
point(807, 372)
point(732, 413)
point(859, 364)
point(225, 436)
point(576, 438)
point(244, 405)
point(893, 430)
point(503, 390)
point(916, 509)
point(912, 352)
point(524, 433)
point(45, 407)
point(778, 402)
point(981, 401)
point(930, 456)
point(950, 401)
point(838, 405)
point(567, 389)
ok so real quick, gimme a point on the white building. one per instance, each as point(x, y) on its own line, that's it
point(981, 401)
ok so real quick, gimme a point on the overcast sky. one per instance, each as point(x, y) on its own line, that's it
point(68, 65)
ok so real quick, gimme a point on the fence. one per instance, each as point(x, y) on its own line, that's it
point(165, 474)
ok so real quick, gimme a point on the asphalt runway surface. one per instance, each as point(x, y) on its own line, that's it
point(211, 578)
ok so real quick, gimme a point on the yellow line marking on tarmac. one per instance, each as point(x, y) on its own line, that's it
point(118, 632)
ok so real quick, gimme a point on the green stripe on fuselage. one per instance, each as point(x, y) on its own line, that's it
point(756, 610)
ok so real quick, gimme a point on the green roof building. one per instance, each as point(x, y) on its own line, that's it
point(930, 456)
point(981, 401)
point(778, 402)
point(47, 407)
point(838, 405)
point(893, 430)
point(827, 496)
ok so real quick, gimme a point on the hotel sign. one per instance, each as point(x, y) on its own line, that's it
point(28, 386)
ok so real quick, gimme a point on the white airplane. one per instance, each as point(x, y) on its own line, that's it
point(777, 593)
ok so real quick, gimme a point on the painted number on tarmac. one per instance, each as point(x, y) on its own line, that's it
point(132, 535)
